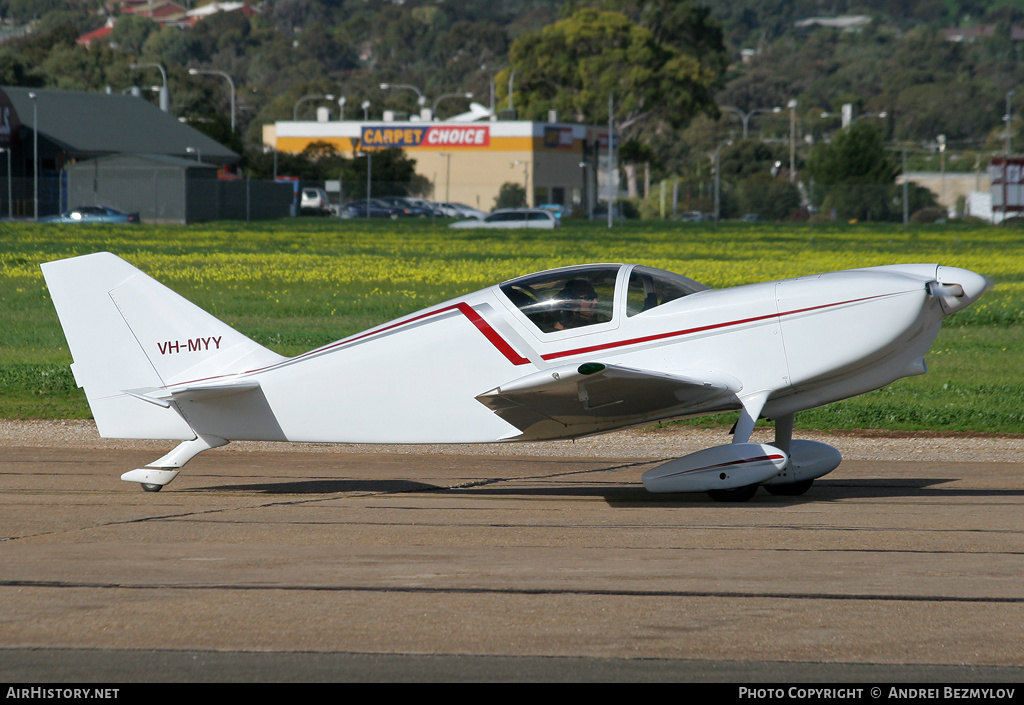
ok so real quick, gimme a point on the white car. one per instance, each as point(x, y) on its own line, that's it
point(314, 200)
point(460, 210)
point(513, 218)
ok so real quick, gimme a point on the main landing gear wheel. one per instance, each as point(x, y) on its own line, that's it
point(740, 494)
point(150, 487)
point(790, 489)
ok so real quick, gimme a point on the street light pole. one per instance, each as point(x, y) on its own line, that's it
point(10, 201)
point(792, 140)
point(526, 176)
point(267, 149)
point(231, 84)
point(35, 154)
point(941, 140)
point(906, 190)
point(1006, 159)
point(165, 96)
point(745, 116)
point(611, 156)
point(447, 175)
point(1009, 121)
point(369, 171)
point(448, 95)
point(312, 96)
point(421, 99)
point(718, 178)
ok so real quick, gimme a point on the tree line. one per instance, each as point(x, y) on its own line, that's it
point(682, 80)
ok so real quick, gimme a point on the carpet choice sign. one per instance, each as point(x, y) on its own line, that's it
point(432, 136)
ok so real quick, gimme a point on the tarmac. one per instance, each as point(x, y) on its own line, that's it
point(436, 564)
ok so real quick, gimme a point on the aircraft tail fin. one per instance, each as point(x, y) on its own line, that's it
point(128, 333)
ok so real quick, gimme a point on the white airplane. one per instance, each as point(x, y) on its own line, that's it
point(558, 354)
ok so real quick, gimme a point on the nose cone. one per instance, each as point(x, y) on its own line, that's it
point(958, 288)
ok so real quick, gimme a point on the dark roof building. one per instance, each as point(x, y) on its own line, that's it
point(77, 125)
point(164, 189)
point(81, 125)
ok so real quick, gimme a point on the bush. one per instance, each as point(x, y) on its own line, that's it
point(929, 215)
point(691, 198)
point(510, 195)
point(770, 197)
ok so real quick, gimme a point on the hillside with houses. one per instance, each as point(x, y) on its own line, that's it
point(938, 81)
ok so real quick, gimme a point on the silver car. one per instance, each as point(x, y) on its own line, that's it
point(459, 210)
point(314, 201)
point(513, 218)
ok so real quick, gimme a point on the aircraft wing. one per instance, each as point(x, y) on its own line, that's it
point(594, 392)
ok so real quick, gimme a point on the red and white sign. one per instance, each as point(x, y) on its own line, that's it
point(434, 136)
point(1007, 190)
point(467, 136)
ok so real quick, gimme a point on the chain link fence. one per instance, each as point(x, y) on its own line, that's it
point(19, 196)
point(158, 196)
point(171, 197)
point(766, 198)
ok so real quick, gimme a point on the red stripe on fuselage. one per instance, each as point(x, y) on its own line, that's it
point(492, 335)
point(465, 309)
point(510, 353)
point(462, 307)
point(690, 331)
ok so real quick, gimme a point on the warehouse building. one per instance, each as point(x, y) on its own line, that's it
point(469, 162)
point(69, 148)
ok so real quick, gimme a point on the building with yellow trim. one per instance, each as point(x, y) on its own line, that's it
point(468, 162)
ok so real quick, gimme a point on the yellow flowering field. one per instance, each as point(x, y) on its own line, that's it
point(296, 284)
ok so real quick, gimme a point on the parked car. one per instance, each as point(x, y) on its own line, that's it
point(459, 210)
point(358, 209)
point(314, 201)
point(435, 209)
point(512, 218)
point(692, 217)
point(553, 207)
point(407, 207)
point(92, 214)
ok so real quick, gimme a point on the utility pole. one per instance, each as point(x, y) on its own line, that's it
point(906, 190)
point(1009, 121)
point(792, 140)
point(611, 156)
point(1006, 158)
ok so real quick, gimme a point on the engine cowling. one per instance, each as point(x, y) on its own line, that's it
point(719, 468)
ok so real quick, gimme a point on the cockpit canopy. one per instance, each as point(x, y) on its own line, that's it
point(573, 297)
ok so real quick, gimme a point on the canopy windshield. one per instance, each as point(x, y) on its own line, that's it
point(562, 299)
point(576, 297)
point(649, 288)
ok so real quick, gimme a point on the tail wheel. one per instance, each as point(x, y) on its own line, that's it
point(790, 489)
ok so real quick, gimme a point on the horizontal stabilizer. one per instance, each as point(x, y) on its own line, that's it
point(197, 392)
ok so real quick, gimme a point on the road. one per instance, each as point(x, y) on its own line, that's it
point(345, 563)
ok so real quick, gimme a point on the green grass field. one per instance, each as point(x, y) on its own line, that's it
point(293, 285)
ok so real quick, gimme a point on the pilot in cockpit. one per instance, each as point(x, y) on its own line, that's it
point(577, 305)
